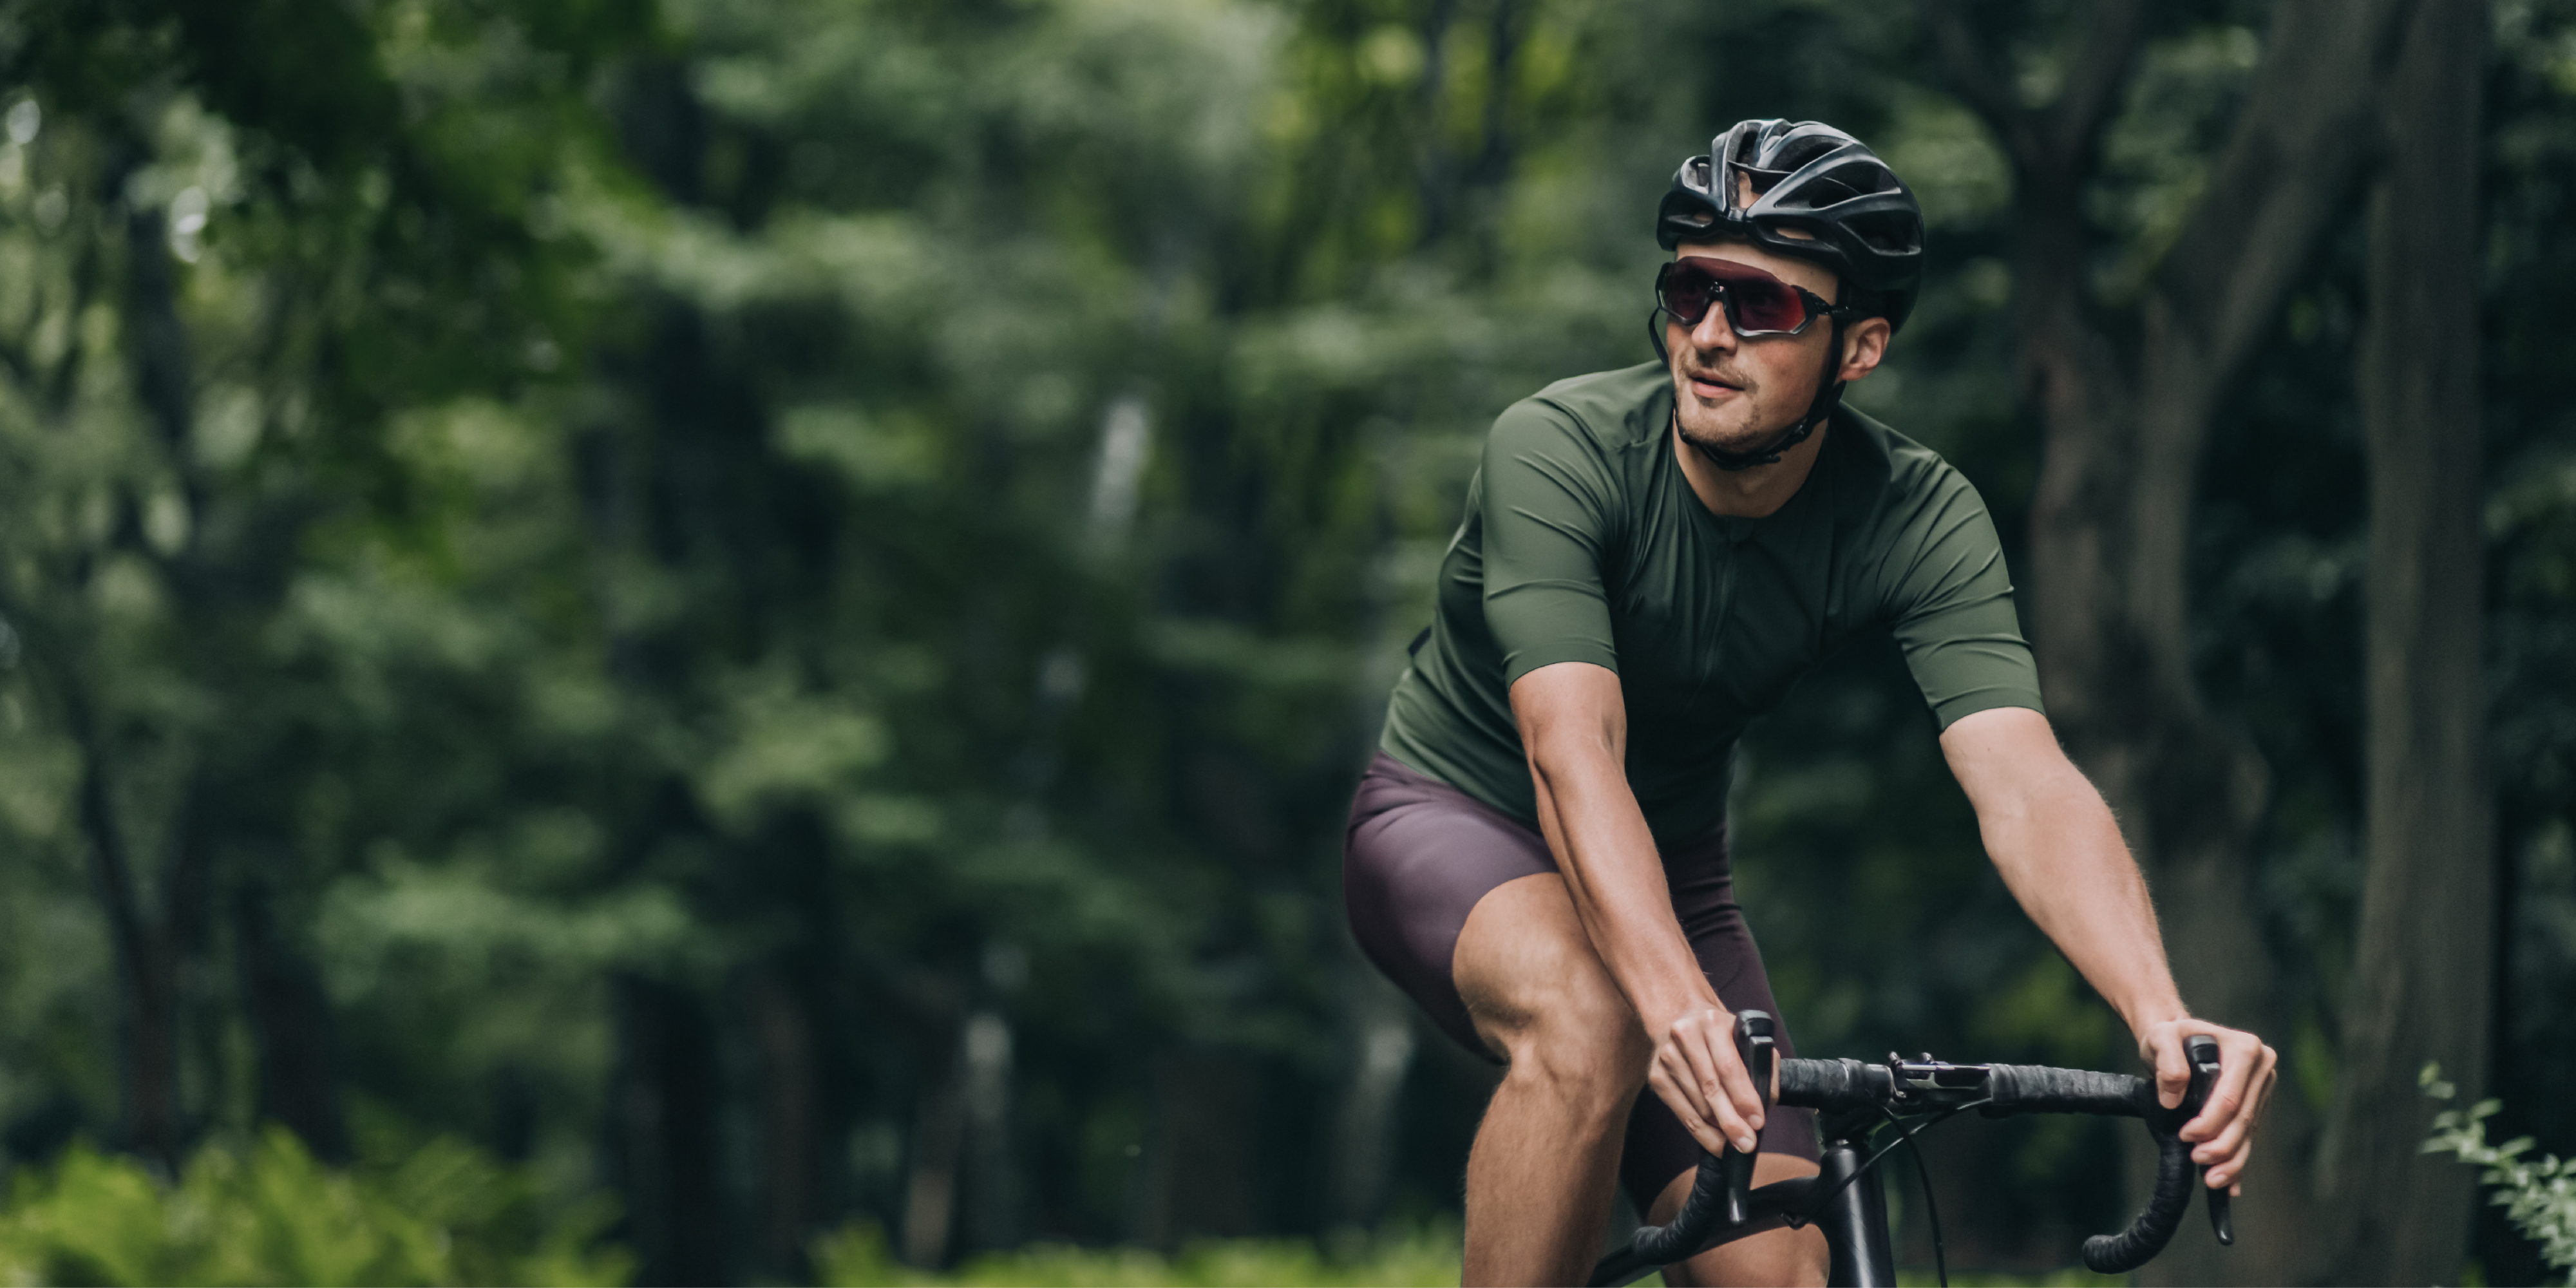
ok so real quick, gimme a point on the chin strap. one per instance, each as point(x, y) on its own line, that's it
point(1829, 395)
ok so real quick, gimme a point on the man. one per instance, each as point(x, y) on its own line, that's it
point(1650, 558)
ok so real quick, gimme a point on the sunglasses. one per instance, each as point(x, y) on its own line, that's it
point(1757, 304)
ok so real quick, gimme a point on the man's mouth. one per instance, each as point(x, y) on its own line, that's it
point(1709, 385)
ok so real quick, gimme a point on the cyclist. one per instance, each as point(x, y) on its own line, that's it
point(1651, 557)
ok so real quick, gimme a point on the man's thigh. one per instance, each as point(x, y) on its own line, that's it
point(1532, 983)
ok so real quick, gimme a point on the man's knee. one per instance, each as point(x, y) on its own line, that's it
point(1542, 999)
point(1590, 1054)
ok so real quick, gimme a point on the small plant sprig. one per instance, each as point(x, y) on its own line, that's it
point(2538, 1197)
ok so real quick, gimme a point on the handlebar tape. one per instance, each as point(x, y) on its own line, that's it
point(1835, 1084)
point(1662, 1245)
point(2038, 1089)
point(2176, 1177)
point(2118, 1254)
point(2014, 1088)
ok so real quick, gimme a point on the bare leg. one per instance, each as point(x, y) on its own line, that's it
point(1540, 1175)
point(1785, 1258)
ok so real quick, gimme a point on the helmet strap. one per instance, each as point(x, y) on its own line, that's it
point(1829, 395)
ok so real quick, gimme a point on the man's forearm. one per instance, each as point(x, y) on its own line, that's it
point(1616, 877)
point(2070, 869)
point(1611, 867)
point(2060, 852)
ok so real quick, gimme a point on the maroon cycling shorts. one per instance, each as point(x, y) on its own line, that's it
point(1420, 854)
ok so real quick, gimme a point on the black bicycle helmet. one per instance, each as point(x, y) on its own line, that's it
point(1806, 177)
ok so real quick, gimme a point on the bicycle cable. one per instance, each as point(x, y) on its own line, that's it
point(1905, 1136)
point(1931, 1206)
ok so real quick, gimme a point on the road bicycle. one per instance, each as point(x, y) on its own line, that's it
point(1856, 1101)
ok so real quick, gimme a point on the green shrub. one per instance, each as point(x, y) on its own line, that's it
point(857, 1258)
point(268, 1213)
point(2539, 1198)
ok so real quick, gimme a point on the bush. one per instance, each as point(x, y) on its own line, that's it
point(857, 1258)
point(2539, 1198)
point(268, 1213)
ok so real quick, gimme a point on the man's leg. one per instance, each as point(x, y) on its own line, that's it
point(1791, 1258)
point(1540, 1175)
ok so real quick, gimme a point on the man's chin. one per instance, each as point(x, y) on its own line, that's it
point(1731, 441)
point(1738, 451)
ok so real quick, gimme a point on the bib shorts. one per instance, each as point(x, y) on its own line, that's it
point(1420, 854)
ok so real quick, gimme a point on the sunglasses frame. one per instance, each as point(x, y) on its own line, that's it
point(1816, 305)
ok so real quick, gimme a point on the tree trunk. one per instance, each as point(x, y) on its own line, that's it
point(988, 1216)
point(2423, 960)
point(149, 942)
point(290, 1019)
point(148, 948)
point(1363, 1140)
point(665, 1105)
point(930, 1184)
point(790, 1118)
point(1203, 1163)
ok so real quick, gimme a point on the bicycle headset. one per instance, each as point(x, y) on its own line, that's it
point(1806, 177)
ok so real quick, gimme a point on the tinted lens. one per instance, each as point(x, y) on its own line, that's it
point(1756, 302)
point(1764, 304)
point(1685, 292)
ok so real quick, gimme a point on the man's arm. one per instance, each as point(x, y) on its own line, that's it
point(2061, 854)
point(1574, 729)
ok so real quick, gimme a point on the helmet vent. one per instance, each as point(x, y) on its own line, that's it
point(1889, 234)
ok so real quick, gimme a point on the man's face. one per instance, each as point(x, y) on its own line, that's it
point(1734, 394)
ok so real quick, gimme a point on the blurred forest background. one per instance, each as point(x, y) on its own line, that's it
point(745, 628)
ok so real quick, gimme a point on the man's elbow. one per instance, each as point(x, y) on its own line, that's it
point(1563, 747)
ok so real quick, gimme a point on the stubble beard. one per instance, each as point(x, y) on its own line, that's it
point(1748, 421)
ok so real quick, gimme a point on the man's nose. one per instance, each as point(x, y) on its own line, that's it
point(1712, 331)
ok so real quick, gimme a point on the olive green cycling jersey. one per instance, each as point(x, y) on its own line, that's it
point(1583, 542)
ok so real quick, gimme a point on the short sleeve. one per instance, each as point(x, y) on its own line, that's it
point(1547, 502)
point(1948, 600)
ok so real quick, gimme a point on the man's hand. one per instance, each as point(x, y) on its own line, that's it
point(2223, 1134)
point(1698, 1073)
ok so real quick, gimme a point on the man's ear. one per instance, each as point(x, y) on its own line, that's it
point(1864, 344)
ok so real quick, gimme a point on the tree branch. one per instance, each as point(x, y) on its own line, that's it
point(2292, 164)
point(2055, 139)
point(2096, 79)
point(1979, 81)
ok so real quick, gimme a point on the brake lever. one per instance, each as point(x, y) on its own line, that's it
point(1753, 1044)
point(2201, 1052)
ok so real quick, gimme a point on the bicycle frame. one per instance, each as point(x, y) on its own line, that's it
point(1855, 1219)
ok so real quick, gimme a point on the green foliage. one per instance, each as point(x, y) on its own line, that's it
point(2538, 1196)
point(857, 1258)
point(265, 1212)
point(2071, 1277)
